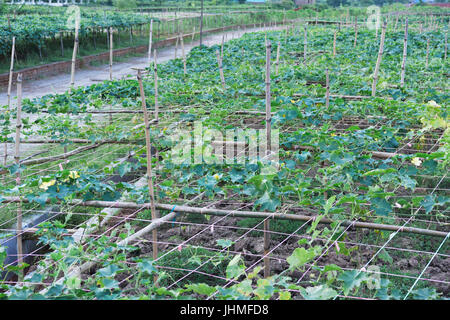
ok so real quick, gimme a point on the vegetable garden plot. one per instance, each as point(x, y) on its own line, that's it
point(357, 208)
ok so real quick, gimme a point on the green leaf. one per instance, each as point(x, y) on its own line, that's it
point(352, 279)
point(201, 288)
point(381, 206)
point(224, 243)
point(428, 203)
point(267, 203)
point(299, 257)
point(147, 267)
point(109, 271)
point(322, 292)
point(235, 268)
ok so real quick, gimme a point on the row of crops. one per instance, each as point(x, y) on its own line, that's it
point(352, 160)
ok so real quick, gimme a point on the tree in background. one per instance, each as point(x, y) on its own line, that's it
point(125, 4)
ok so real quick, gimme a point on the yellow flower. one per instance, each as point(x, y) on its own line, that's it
point(74, 175)
point(164, 130)
point(333, 134)
point(416, 161)
point(292, 101)
point(433, 103)
point(216, 176)
point(46, 185)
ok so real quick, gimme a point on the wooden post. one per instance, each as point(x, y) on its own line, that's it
point(380, 55)
point(428, 53)
point(176, 47)
point(334, 44)
point(155, 72)
point(305, 44)
point(193, 34)
point(183, 54)
point(11, 71)
point(356, 32)
point(219, 62)
point(61, 38)
point(17, 161)
point(327, 84)
point(150, 41)
point(154, 213)
point(74, 56)
point(269, 144)
point(278, 58)
point(405, 50)
point(110, 52)
point(221, 47)
point(445, 47)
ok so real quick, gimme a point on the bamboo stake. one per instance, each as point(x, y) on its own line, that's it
point(62, 43)
point(11, 71)
point(334, 44)
point(221, 47)
point(305, 43)
point(356, 32)
point(150, 42)
point(327, 97)
point(445, 47)
point(428, 53)
point(268, 150)
point(183, 54)
point(405, 50)
point(154, 213)
point(17, 161)
point(278, 58)
point(176, 47)
point(110, 52)
point(74, 55)
point(219, 62)
point(380, 56)
point(155, 75)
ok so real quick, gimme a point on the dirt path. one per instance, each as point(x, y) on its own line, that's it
point(90, 75)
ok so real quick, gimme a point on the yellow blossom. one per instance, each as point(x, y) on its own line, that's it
point(46, 185)
point(74, 175)
point(216, 176)
point(416, 161)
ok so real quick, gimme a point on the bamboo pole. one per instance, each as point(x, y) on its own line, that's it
point(219, 63)
point(55, 158)
point(405, 50)
point(305, 43)
point(150, 42)
point(380, 56)
point(183, 53)
point(74, 55)
point(110, 52)
point(327, 97)
point(154, 213)
point(445, 47)
point(334, 44)
point(11, 70)
point(428, 53)
point(221, 47)
point(176, 47)
point(155, 76)
point(242, 214)
point(356, 32)
point(61, 38)
point(277, 62)
point(268, 150)
point(17, 161)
